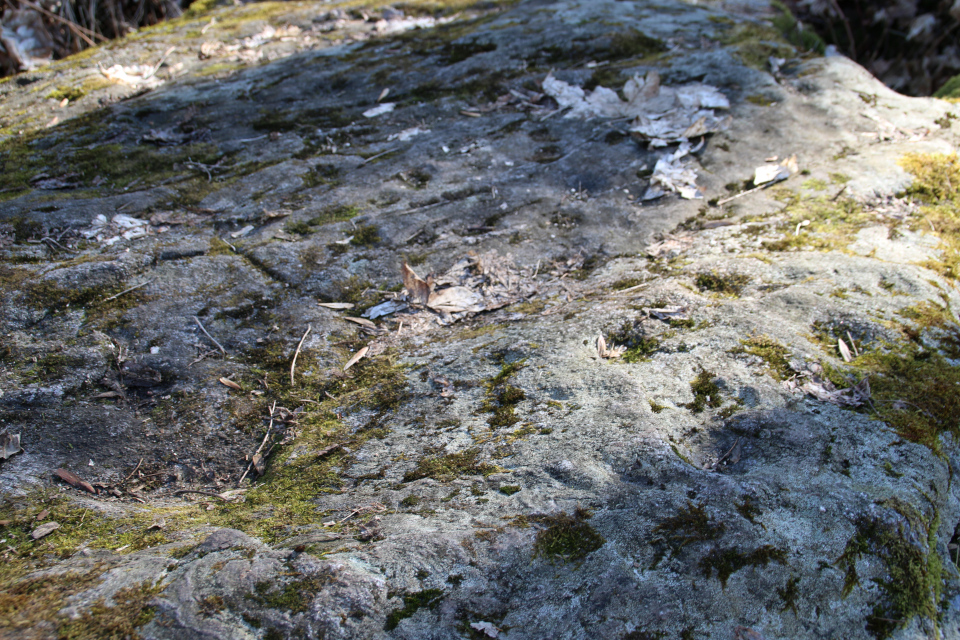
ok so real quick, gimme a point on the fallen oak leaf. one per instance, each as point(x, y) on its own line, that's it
point(74, 480)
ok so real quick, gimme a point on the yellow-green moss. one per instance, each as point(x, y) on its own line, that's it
point(451, 466)
point(727, 284)
point(706, 392)
point(130, 610)
point(771, 351)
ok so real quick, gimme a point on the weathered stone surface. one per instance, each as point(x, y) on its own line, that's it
point(489, 469)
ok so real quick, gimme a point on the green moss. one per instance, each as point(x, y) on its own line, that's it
point(625, 283)
point(450, 467)
point(365, 235)
point(913, 582)
point(294, 596)
point(725, 284)
point(796, 34)
point(633, 335)
point(950, 89)
point(410, 501)
point(656, 407)
point(760, 100)
point(130, 610)
point(754, 43)
point(748, 509)
point(725, 562)
point(632, 43)
point(772, 352)
point(411, 604)
point(706, 392)
point(70, 93)
point(789, 594)
point(815, 184)
point(936, 183)
point(567, 537)
point(300, 227)
point(832, 223)
point(509, 489)
point(690, 525)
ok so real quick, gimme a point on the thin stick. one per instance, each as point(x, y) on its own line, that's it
point(131, 473)
point(214, 340)
point(260, 448)
point(117, 295)
point(297, 353)
point(202, 493)
point(379, 155)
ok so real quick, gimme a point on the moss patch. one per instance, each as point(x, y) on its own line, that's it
point(914, 579)
point(450, 467)
point(633, 335)
point(294, 596)
point(725, 284)
point(706, 392)
point(691, 524)
point(131, 609)
point(726, 562)
point(567, 537)
point(771, 351)
point(411, 604)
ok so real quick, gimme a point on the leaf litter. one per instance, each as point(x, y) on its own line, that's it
point(660, 116)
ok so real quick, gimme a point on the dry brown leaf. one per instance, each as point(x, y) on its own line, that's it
point(230, 383)
point(356, 358)
point(416, 287)
point(363, 322)
point(259, 464)
point(73, 480)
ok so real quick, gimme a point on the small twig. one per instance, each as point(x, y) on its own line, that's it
point(630, 289)
point(117, 295)
point(202, 493)
point(379, 155)
point(131, 473)
point(727, 454)
point(214, 340)
point(260, 448)
point(297, 353)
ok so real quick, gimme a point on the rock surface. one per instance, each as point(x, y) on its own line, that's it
point(482, 471)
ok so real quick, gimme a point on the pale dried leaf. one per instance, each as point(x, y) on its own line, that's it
point(844, 350)
point(456, 300)
point(44, 530)
point(363, 322)
point(230, 383)
point(9, 445)
point(337, 305)
point(356, 358)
